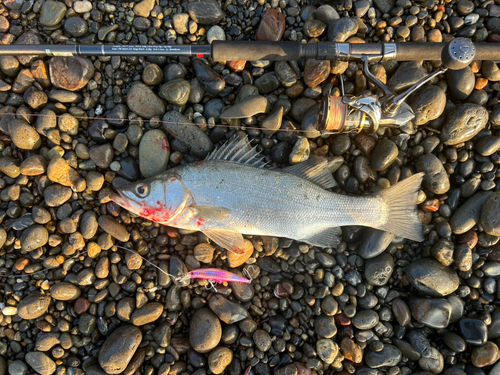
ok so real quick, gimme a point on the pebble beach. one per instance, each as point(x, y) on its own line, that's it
point(84, 285)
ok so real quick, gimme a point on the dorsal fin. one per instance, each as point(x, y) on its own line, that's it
point(238, 151)
point(315, 170)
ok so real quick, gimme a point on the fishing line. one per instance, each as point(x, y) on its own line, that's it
point(83, 253)
point(243, 127)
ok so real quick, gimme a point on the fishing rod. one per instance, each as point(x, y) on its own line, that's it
point(337, 114)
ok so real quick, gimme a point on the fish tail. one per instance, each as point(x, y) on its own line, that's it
point(402, 216)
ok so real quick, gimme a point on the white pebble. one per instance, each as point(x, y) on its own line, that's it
point(9, 310)
point(82, 6)
point(115, 166)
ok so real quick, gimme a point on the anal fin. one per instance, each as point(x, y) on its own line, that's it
point(315, 170)
point(328, 237)
point(231, 240)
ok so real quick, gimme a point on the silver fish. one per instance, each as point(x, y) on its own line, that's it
point(231, 193)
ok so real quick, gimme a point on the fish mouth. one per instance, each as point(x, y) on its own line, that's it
point(127, 203)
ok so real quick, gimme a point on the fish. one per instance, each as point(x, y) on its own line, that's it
point(233, 193)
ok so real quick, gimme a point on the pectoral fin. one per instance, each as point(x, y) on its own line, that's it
point(212, 212)
point(231, 240)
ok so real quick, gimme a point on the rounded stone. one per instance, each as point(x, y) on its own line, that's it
point(490, 214)
point(435, 179)
point(463, 123)
point(62, 291)
point(41, 363)
point(154, 153)
point(205, 331)
point(219, 359)
point(119, 348)
point(383, 155)
point(24, 135)
point(430, 277)
point(34, 237)
point(149, 313)
point(33, 306)
point(176, 91)
point(143, 101)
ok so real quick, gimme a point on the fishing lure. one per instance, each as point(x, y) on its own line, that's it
point(214, 274)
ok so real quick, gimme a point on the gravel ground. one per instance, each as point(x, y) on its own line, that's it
point(73, 301)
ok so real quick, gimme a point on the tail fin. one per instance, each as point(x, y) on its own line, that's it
point(401, 200)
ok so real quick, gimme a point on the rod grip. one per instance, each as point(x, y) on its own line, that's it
point(253, 51)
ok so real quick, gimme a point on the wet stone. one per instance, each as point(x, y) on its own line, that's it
point(34, 237)
point(432, 278)
point(474, 331)
point(490, 214)
point(267, 83)
point(143, 101)
point(64, 292)
point(76, 26)
point(383, 155)
point(149, 313)
point(205, 331)
point(152, 74)
point(365, 319)
point(469, 213)
point(487, 146)
point(272, 26)
point(464, 123)
point(41, 363)
point(327, 350)
point(262, 340)
point(388, 356)
point(235, 260)
point(316, 71)
point(208, 79)
point(433, 313)
point(247, 107)
point(176, 91)
point(485, 355)
point(154, 153)
point(205, 12)
point(227, 311)
point(428, 104)
point(102, 155)
point(119, 348)
point(339, 30)
point(219, 359)
point(325, 326)
point(24, 135)
point(33, 306)
point(52, 13)
point(406, 75)
point(374, 242)
point(59, 171)
point(435, 179)
point(178, 126)
point(460, 82)
point(378, 270)
point(113, 228)
point(70, 73)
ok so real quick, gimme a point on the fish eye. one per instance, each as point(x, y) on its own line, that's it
point(142, 190)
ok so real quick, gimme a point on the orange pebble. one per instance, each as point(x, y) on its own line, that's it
point(480, 83)
point(476, 66)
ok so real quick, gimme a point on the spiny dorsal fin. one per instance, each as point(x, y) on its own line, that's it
point(315, 170)
point(238, 151)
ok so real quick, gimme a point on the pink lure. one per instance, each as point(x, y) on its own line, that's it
point(214, 274)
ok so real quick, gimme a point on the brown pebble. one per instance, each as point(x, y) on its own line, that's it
point(351, 350)
point(81, 305)
point(485, 355)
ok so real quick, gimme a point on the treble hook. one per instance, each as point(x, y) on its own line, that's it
point(247, 274)
point(212, 285)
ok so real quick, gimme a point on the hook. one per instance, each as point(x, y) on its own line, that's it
point(212, 285)
point(246, 272)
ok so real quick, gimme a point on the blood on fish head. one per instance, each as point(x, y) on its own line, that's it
point(158, 199)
